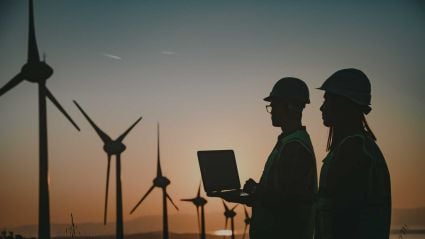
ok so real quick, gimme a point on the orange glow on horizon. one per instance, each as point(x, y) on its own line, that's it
point(223, 232)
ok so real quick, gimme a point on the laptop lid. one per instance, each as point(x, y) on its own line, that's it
point(218, 170)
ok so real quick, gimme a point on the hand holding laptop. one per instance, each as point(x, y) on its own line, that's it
point(250, 186)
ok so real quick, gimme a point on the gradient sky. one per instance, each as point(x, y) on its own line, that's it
point(201, 69)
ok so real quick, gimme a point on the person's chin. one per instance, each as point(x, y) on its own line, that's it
point(276, 123)
point(326, 122)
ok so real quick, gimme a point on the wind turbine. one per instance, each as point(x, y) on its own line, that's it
point(72, 228)
point(230, 213)
point(162, 182)
point(38, 72)
point(112, 147)
point(199, 201)
point(247, 221)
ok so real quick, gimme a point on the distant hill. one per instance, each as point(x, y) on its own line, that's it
point(178, 223)
point(186, 224)
point(154, 235)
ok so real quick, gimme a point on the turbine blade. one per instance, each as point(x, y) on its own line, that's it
point(105, 138)
point(143, 198)
point(105, 215)
point(198, 195)
point(60, 108)
point(33, 55)
point(171, 200)
point(187, 200)
point(122, 136)
point(158, 166)
point(225, 206)
point(12, 83)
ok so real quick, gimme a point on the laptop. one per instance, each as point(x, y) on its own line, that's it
point(219, 173)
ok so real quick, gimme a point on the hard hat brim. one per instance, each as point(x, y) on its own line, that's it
point(366, 108)
point(268, 99)
point(272, 98)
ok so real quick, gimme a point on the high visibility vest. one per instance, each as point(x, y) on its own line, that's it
point(288, 221)
point(371, 215)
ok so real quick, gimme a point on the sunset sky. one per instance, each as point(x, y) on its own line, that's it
point(200, 69)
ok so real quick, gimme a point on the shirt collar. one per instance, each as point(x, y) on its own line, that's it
point(286, 133)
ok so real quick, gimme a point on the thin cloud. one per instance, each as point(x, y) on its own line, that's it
point(112, 56)
point(168, 53)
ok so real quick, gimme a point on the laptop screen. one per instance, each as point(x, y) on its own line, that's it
point(218, 169)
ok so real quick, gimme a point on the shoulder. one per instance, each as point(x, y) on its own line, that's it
point(297, 151)
point(301, 143)
point(353, 149)
point(294, 146)
point(352, 145)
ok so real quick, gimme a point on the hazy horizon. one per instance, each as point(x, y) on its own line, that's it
point(186, 223)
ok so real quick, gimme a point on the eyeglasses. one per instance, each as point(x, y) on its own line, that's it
point(269, 108)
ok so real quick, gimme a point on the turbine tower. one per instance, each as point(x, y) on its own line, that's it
point(230, 213)
point(37, 71)
point(72, 229)
point(112, 147)
point(162, 182)
point(199, 201)
point(247, 221)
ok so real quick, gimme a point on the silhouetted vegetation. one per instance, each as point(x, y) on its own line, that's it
point(10, 235)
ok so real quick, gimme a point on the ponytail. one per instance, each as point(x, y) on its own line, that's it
point(368, 130)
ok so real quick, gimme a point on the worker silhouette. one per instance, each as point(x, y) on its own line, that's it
point(282, 201)
point(354, 199)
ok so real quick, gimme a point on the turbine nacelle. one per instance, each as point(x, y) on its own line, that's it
point(114, 148)
point(199, 201)
point(230, 213)
point(161, 182)
point(37, 72)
